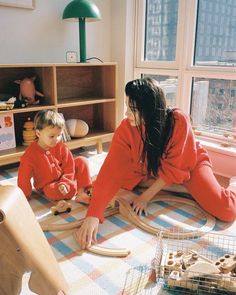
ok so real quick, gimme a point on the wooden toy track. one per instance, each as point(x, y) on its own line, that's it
point(104, 251)
point(96, 249)
point(112, 252)
point(74, 224)
point(127, 212)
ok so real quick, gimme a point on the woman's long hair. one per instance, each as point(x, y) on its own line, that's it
point(148, 99)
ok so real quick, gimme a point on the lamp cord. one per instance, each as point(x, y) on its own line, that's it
point(93, 57)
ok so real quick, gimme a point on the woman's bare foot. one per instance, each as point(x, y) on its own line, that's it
point(83, 196)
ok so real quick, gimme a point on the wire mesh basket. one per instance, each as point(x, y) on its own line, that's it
point(200, 265)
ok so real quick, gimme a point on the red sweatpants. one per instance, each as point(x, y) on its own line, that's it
point(82, 179)
point(205, 189)
point(82, 174)
point(207, 192)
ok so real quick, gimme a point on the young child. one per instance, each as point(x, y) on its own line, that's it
point(50, 163)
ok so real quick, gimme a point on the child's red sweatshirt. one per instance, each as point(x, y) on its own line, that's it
point(55, 165)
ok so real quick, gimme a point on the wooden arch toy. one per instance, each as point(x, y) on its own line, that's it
point(23, 247)
point(127, 212)
point(96, 249)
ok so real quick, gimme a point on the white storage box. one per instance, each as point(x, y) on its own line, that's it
point(7, 131)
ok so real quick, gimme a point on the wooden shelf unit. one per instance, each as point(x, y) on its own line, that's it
point(86, 91)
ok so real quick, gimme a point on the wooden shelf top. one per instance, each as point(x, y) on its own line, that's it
point(29, 109)
point(28, 65)
point(13, 155)
point(68, 102)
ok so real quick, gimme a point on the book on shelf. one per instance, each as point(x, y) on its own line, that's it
point(7, 131)
point(65, 134)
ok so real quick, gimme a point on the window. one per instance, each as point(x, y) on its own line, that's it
point(169, 85)
point(214, 105)
point(216, 33)
point(160, 29)
point(189, 46)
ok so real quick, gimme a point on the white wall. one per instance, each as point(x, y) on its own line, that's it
point(40, 35)
point(122, 40)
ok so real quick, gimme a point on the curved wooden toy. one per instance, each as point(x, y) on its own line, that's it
point(73, 224)
point(127, 212)
point(23, 247)
point(104, 251)
point(111, 252)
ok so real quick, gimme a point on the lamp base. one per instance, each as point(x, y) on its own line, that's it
point(82, 40)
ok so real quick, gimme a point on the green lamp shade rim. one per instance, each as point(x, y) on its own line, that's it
point(81, 9)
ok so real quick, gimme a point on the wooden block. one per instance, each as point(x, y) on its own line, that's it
point(174, 261)
point(226, 263)
point(200, 268)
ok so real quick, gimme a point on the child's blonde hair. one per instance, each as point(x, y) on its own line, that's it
point(47, 118)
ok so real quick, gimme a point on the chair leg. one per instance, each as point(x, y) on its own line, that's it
point(25, 248)
point(12, 263)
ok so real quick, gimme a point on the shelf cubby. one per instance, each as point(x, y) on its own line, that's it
point(86, 91)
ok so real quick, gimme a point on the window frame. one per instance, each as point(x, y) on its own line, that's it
point(182, 67)
point(140, 33)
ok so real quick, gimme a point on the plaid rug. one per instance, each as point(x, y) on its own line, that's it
point(88, 273)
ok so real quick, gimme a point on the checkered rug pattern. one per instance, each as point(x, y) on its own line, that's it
point(88, 273)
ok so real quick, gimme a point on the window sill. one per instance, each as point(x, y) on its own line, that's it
point(217, 147)
point(223, 158)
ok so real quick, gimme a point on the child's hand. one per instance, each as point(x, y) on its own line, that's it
point(63, 189)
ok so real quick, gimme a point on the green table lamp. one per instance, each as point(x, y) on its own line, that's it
point(81, 10)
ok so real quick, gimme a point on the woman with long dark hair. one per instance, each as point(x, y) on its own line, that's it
point(155, 147)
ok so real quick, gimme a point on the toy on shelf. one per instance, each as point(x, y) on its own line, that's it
point(28, 93)
point(61, 207)
point(77, 127)
point(65, 133)
point(8, 105)
point(29, 134)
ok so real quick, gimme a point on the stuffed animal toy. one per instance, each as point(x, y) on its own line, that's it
point(28, 93)
point(77, 128)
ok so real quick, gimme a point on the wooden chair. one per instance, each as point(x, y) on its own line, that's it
point(23, 248)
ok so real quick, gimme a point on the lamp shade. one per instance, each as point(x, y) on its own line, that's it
point(81, 9)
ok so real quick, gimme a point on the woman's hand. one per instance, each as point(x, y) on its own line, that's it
point(140, 203)
point(139, 206)
point(87, 233)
